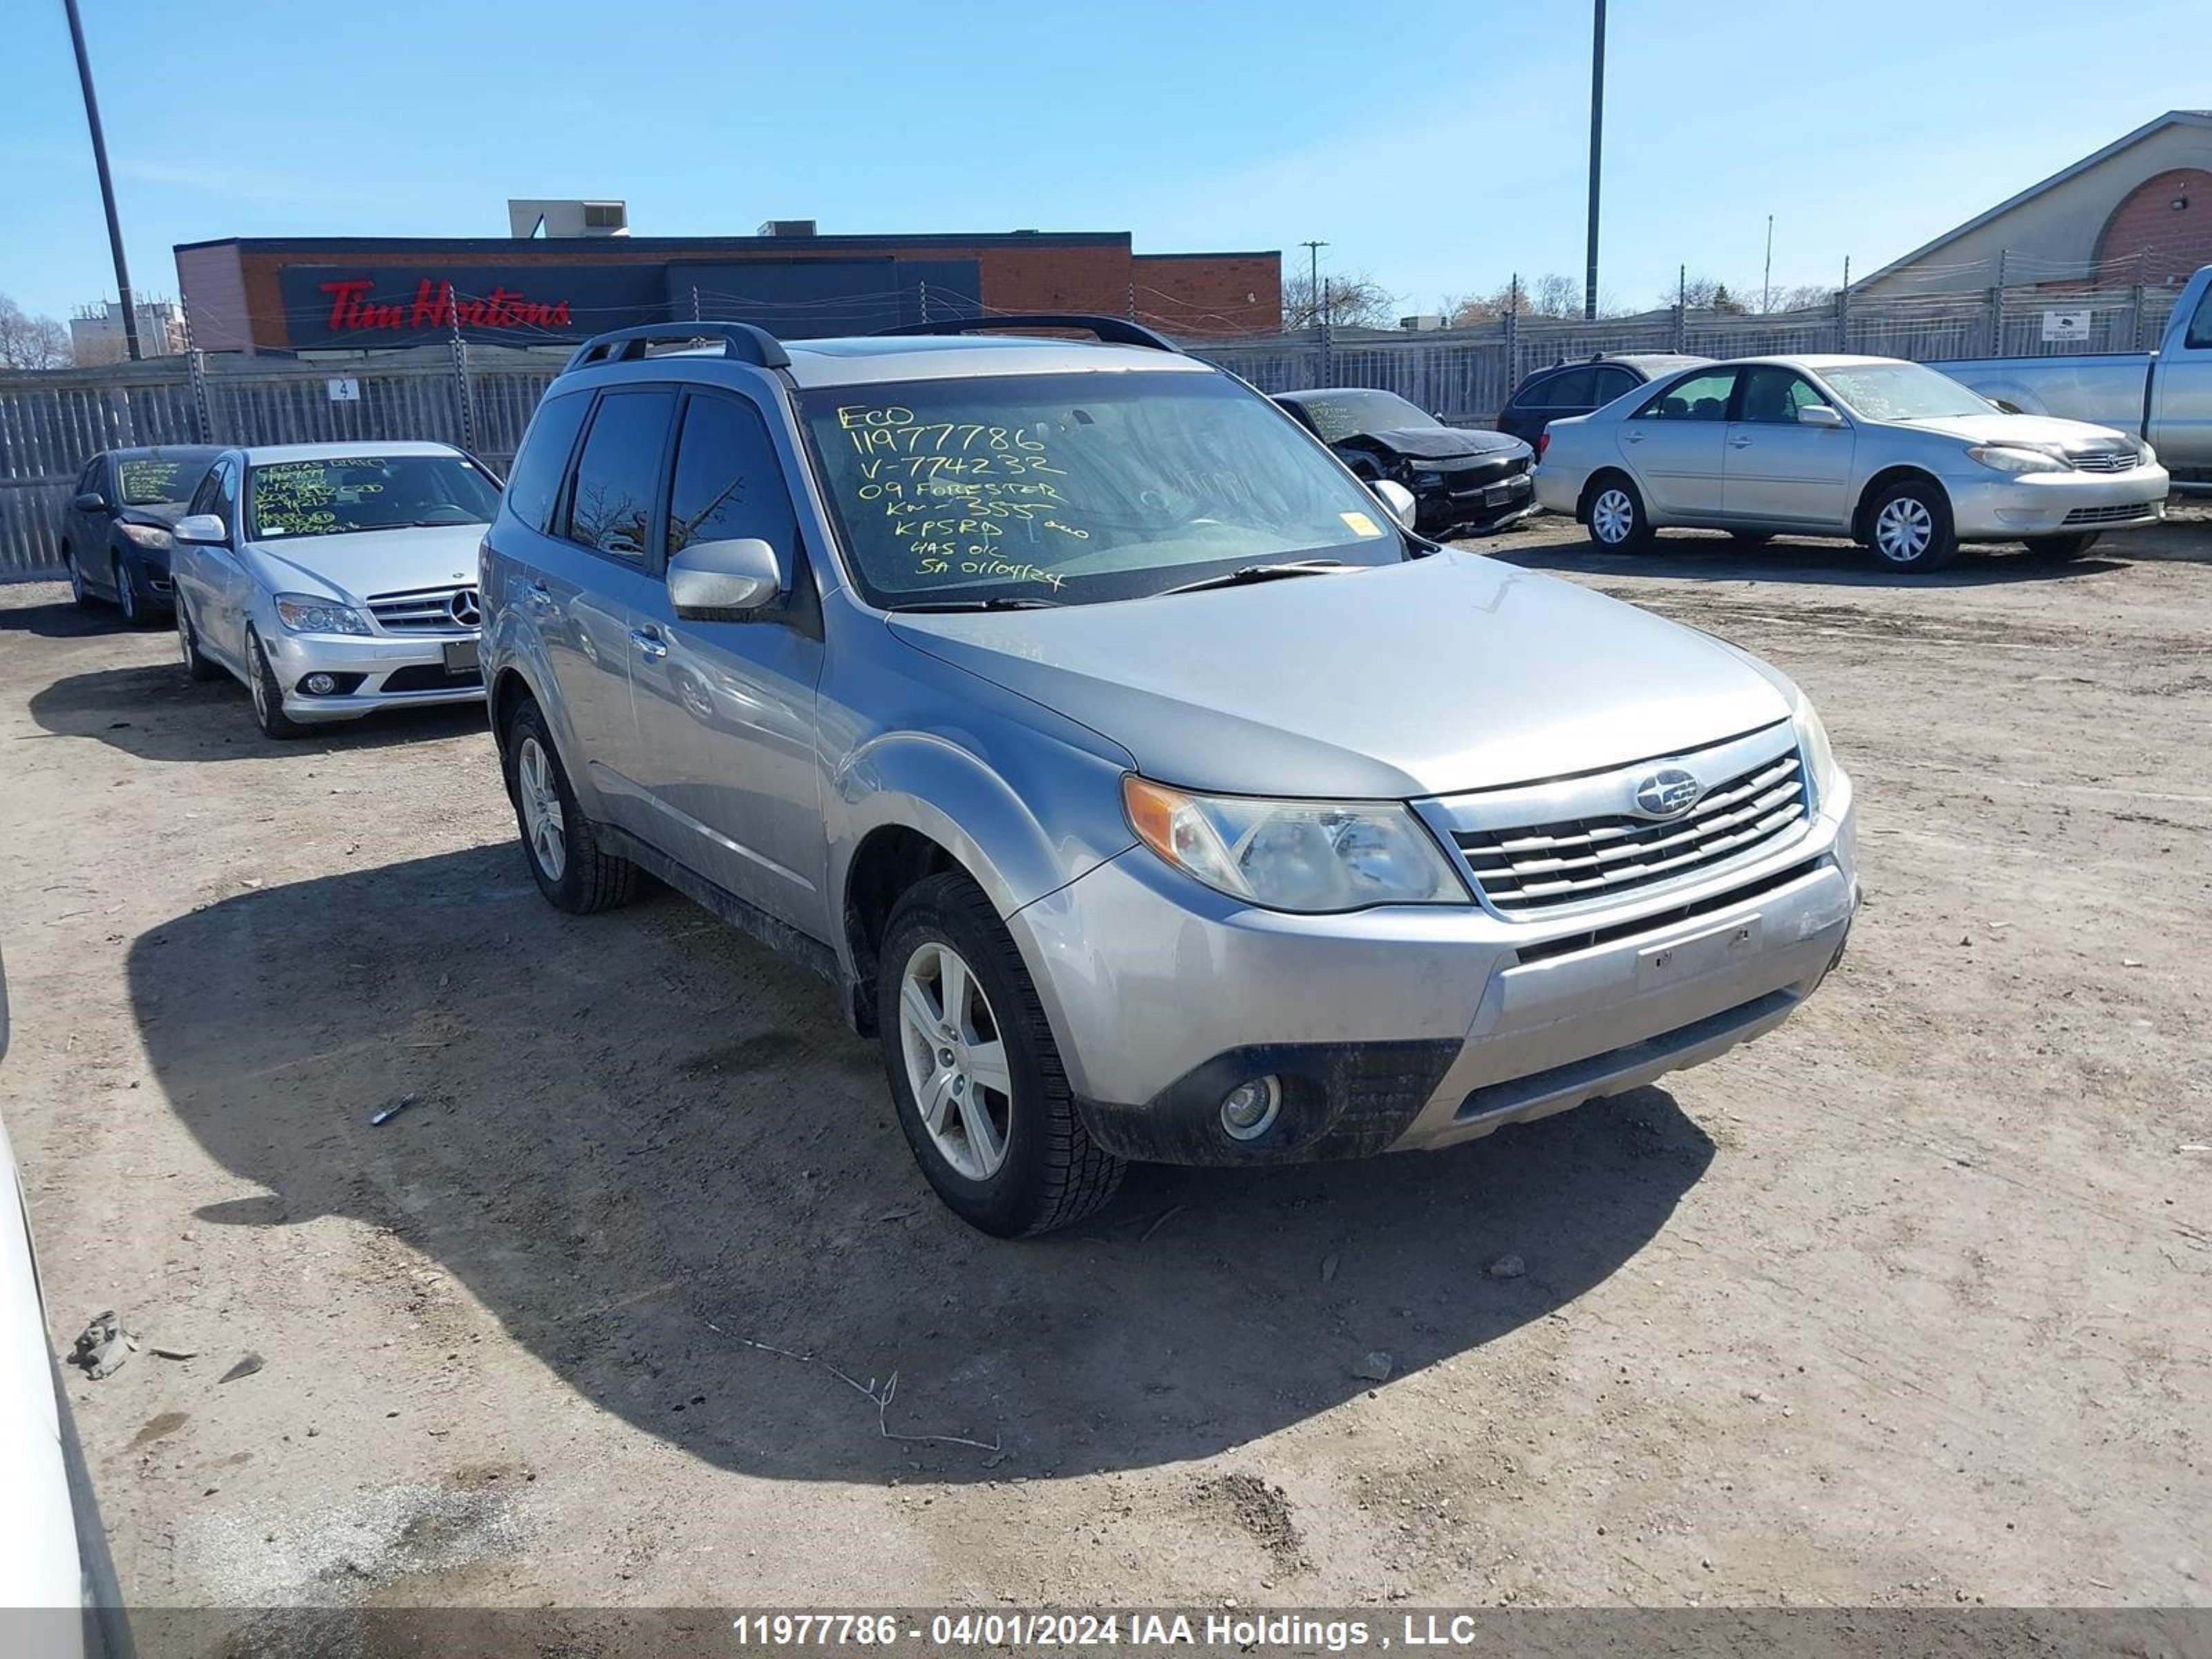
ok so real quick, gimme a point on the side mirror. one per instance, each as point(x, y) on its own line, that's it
point(1398, 498)
point(202, 530)
point(1819, 415)
point(91, 502)
point(724, 581)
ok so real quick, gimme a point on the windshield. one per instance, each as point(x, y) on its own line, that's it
point(1903, 392)
point(1337, 415)
point(156, 480)
point(334, 497)
point(1072, 489)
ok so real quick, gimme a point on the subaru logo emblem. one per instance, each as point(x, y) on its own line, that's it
point(464, 609)
point(1668, 793)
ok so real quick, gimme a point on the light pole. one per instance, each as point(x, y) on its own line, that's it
point(1313, 276)
point(106, 184)
point(1766, 280)
point(1597, 135)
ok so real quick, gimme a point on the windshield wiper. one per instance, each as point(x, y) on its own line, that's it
point(999, 602)
point(1245, 575)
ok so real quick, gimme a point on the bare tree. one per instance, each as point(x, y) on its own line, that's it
point(1704, 294)
point(29, 342)
point(1551, 294)
point(1354, 300)
point(1802, 296)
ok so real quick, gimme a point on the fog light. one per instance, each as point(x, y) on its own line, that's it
point(1248, 1111)
point(320, 685)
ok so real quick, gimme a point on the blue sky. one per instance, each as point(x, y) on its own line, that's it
point(1439, 146)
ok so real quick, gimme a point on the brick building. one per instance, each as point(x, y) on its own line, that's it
point(345, 294)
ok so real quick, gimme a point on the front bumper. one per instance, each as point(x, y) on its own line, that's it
point(1486, 500)
point(2057, 503)
point(372, 671)
point(1410, 1027)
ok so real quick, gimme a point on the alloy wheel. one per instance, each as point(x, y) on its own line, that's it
point(543, 821)
point(76, 581)
point(956, 1061)
point(184, 637)
point(1903, 530)
point(1613, 516)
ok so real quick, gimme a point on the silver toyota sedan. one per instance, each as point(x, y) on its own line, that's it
point(1895, 456)
point(335, 579)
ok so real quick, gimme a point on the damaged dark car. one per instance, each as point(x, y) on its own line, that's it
point(1463, 479)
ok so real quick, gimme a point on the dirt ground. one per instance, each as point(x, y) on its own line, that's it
point(1905, 1304)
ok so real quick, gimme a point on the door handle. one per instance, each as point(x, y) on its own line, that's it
point(1631, 436)
point(1739, 443)
point(649, 643)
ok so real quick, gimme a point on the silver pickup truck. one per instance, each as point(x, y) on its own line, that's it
point(2163, 397)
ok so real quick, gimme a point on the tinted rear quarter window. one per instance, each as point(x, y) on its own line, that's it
point(535, 482)
point(617, 474)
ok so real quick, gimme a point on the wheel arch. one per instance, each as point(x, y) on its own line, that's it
point(1883, 480)
point(1595, 482)
point(911, 806)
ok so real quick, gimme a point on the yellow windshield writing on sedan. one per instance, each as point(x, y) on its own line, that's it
point(301, 498)
point(956, 492)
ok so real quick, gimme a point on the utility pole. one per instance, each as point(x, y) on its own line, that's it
point(1313, 272)
point(1597, 137)
point(107, 184)
point(1766, 281)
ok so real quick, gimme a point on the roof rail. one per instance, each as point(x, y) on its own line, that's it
point(742, 341)
point(1113, 330)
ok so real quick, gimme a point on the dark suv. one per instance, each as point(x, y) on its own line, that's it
point(1565, 389)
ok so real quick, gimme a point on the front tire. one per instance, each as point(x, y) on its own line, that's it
point(975, 1076)
point(126, 590)
point(560, 844)
point(1908, 527)
point(197, 663)
point(1616, 518)
point(2063, 547)
point(268, 694)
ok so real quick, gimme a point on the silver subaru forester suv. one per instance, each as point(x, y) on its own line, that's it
point(1143, 787)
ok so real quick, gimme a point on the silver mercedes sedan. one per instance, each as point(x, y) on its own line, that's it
point(1891, 454)
point(335, 579)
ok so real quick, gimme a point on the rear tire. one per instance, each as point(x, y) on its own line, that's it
point(1616, 518)
point(1908, 527)
point(1028, 1165)
point(2063, 547)
point(268, 694)
point(198, 664)
point(561, 845)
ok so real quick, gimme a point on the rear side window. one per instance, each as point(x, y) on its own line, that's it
point(727, 483)
point(1613, 383)
point(535, 483)
point(1569, 389)
point(1700, 397)
point(618, 476)
point(2199, 324)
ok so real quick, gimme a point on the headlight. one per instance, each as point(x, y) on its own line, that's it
point(304, 614)
point(1304, 856)
point(1812, 744)
point(2006, 457)
point(2145, 455)
point(150, 536)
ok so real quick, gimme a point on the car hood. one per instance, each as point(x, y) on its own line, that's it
point(1448, 673)
point(1998, 428)
point(1439, 442)
point(369, 562)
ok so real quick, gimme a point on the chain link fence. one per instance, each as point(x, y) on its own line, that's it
point(481, 397)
